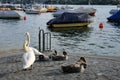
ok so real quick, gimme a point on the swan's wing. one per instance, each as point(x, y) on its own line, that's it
point(25, 58)
point(36, 51)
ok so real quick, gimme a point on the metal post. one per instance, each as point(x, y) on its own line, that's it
point(48, 41)
point(44, 40)
point(41, 39)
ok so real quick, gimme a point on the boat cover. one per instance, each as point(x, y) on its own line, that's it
point(115, 17)
point(70, 17)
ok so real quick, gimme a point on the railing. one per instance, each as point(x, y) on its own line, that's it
point(44, 41)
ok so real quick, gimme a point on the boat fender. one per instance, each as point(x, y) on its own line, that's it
point(101, 25)
point(24, 17)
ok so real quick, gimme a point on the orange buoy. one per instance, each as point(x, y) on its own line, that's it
point(24, 17)
point(101, 25)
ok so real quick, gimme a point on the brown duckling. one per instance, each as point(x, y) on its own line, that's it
point(76, 67)
point(56, 57)
point(43, 58)
point(72, 68)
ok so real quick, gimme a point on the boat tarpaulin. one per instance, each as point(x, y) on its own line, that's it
point(115, 17)
point(70, 17)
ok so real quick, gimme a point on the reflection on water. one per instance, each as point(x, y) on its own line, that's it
point(72, 32)
point(70, 38)
point(115, 24)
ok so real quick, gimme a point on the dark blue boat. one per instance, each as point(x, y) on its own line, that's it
point(115, 17)
point(70, 19)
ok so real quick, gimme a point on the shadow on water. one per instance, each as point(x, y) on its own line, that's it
point(71, 32)
point(9, 21)
point(115, 24)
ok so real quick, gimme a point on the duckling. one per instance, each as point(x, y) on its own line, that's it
point(56, 57)
point(43, 58)
point(72, 68)
point(53, 54)
point(82, 63)
point(76, 67)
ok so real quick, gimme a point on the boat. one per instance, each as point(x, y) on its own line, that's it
point(66, 7)
point(43, 10)
point(113, 11)
point(10, 14)
point(90, 11)
point(32, 11)
point(59, 12)
point(51, 9)
point(70, 19)
point(115, 17)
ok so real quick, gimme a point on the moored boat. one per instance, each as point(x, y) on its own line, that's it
point(113, 11)
point(43, 10)
point(10, 14)
point(115, 17)
point(32, 11)
point(70, 19)
point(51, 9)
point(90, 11)
point(59, 12)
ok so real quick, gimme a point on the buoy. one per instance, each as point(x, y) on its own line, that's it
point(101, 25)
point(24, 17)
point(93, 14)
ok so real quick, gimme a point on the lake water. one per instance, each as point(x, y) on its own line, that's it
point(90, 40)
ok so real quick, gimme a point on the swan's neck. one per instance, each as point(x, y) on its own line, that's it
point(28, 40)
point(25, 47)
point(26, 44)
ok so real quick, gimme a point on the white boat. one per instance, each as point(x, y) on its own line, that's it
point(90, 11)
point(66, 7)
point(10, 14)
point(32, 11)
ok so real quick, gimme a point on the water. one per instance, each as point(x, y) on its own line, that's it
point(90, 40)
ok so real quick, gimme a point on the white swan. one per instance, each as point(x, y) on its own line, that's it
point(29, 55)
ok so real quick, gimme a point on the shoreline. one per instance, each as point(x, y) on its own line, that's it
point(13, 52)
point(98, 68)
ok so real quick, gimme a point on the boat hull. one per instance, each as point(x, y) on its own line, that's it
point(32, 12)
point(67, 25)
point(10, 14)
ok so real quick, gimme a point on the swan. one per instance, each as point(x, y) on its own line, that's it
point(29, 55)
